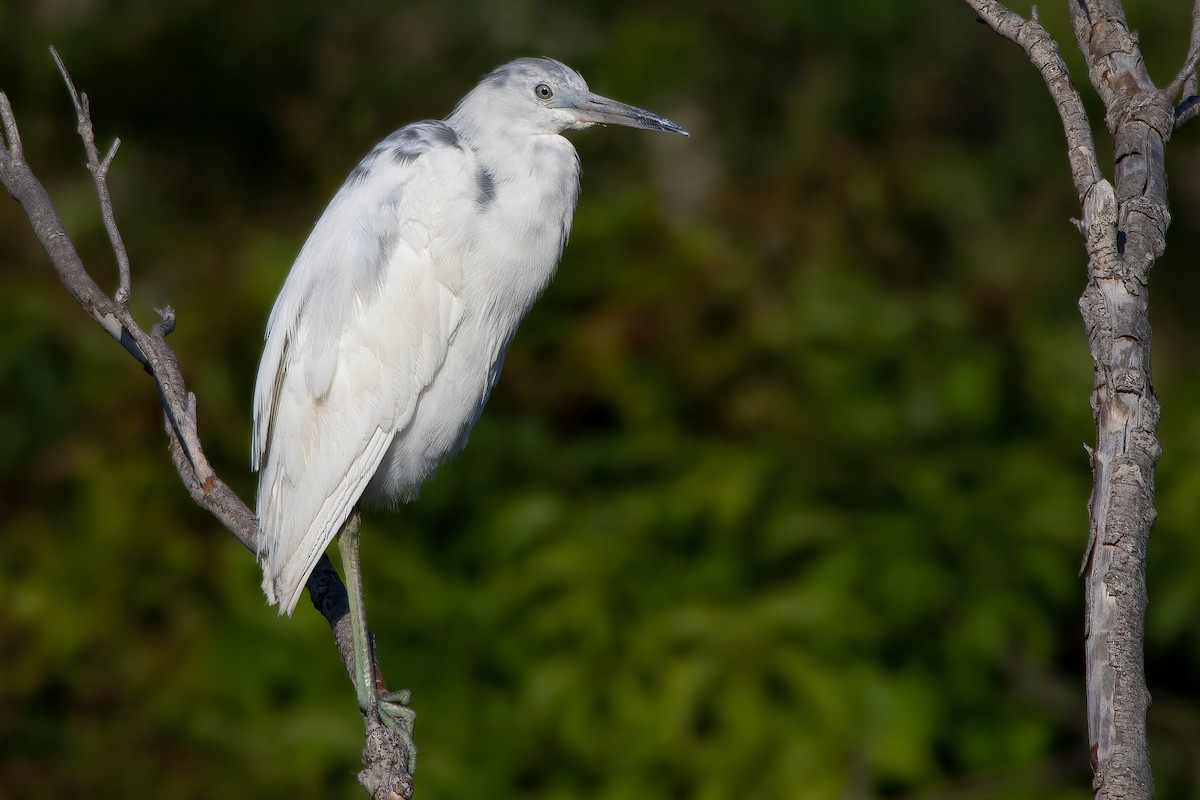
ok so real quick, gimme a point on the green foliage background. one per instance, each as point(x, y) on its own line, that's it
point(782, 494)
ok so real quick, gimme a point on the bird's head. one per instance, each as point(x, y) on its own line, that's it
point(543, 96)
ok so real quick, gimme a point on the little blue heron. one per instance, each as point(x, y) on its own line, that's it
point(391, 328)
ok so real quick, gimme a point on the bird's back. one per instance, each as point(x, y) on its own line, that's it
point(359, 330)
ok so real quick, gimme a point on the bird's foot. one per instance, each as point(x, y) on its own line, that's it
point(394, 711)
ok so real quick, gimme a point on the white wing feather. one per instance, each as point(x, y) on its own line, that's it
point(359, 331)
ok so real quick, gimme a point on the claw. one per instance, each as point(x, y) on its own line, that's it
point(394, 712)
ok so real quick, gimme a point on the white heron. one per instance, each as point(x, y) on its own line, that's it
point(391, 328)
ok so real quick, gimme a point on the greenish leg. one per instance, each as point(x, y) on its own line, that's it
point(391, 707)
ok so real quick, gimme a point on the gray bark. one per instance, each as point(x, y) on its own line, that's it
point(386, 774)
point(1124, 226)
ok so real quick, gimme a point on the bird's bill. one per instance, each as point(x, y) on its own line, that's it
point(592, 109)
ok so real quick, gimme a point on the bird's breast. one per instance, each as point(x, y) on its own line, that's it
point(525, 206)
point(508, 256)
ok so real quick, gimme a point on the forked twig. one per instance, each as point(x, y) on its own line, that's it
point(99, 169)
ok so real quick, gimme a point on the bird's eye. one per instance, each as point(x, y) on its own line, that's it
point(543, 91)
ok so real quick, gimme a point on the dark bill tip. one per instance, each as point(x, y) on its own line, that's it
point(597, 110)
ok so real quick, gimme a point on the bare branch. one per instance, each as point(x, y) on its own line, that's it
point(1043, 52)
point(99, 170)
point(10, 147)
point(112, 152)
point(1189, 103)
point(30, 193)
point(386, 772)
point(1184, 83)
point(1187, 111)
point(1189, 85)
point(165, 324)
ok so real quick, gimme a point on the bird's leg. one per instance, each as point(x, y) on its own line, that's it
point(391, 707)
point(364, 680)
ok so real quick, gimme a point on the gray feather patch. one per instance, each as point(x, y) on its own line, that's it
point(485, 185)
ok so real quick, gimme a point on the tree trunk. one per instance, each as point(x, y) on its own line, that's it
point(1124, 229)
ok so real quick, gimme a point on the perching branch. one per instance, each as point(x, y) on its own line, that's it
point(1124, 225)
point(386, 774)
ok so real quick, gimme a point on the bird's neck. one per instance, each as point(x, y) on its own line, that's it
point(526, 188)
point(530, 182)
point(516, 156)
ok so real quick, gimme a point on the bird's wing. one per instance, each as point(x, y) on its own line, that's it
point(360, 329)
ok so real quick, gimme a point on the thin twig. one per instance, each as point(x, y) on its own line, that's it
point(99, 170)
point(166, 323)
point(1184, 83)
point(112, 152)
